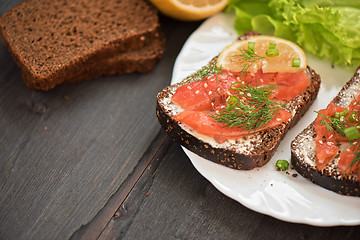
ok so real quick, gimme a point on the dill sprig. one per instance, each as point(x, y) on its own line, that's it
point(250, 108)
point(338, 125)
point(333, 124)
point(247, 58)
point(356, 160)
point(357, 102)
point(211, 69)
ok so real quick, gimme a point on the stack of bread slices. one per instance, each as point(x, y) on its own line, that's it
point(56, 42)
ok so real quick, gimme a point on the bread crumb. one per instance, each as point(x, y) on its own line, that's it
point(39, 108)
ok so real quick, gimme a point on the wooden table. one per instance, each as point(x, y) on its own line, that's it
point(89, 161)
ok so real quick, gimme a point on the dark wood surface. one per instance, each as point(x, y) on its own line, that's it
point(89, 161)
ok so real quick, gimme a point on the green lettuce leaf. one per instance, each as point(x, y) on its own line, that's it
point(329, 28)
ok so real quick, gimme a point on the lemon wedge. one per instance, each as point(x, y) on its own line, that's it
point(189, 10)
point(288, 56)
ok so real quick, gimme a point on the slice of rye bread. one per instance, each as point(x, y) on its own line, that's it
point(51, 40)
point(141, 60)
point(244, 153)
point(303, 151)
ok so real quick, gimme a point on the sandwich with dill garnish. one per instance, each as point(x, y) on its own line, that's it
point(327, 152)
point(235, 110)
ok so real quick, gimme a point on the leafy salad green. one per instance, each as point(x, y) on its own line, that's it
point(325, 28)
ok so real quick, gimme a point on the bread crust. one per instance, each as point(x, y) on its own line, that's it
point(259, 152)
point(303, 154)
point(141, 60)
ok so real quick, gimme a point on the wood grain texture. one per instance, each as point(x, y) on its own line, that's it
point(69, 157)
point(176, 202)
point(153, 155)
point(65, 152)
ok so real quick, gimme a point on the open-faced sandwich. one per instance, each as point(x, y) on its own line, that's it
point(327, 152)
point(236, 110)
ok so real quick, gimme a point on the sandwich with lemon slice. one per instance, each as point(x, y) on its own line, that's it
point(236, 110)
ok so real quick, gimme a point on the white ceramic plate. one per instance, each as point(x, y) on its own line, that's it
point(265, 190)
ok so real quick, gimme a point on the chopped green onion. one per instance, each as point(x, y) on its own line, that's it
point(351, 133)
point(296, 62)
point(343, 113)
point(272, 52)
point(272, 46)
point(232, 100)
point(251, 46)
point(353, 117)
point(282, 164)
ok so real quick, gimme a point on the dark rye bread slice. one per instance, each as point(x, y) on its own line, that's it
point(303, 151)
point(243, 153)
point(51, 40)
point(141, 60)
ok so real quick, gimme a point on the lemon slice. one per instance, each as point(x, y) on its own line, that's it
point(291, 58)
point(189, 10)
